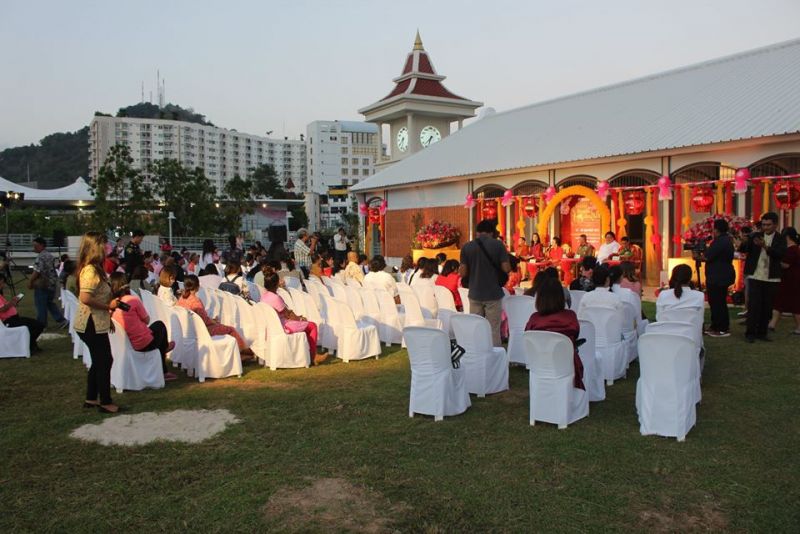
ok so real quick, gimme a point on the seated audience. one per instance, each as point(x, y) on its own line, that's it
point(602, 296)
point(168, 286)
point(316, 266)
point(629, 278)
point(552, 272)
point(192, 267)
point(139, 278)
point(111, 262)
point(552, 316)
point(584, 281)
point(190, 301)
point(353, 270)
point(441, 258)
point(289, 269)
point(291, 322)
point(537, 282)
point(378, 278)
point(406, 269)
point(70, 280)
point(680, 293)
point(233, 281)
point(514, 276)
point(10, 317)
point(423, 283)
point(450, 279)
point(142, 335)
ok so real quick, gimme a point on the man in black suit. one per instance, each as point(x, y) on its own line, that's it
point(763, 268)
point(719, 277)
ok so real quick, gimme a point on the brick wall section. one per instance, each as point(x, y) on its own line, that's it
point(399, 226)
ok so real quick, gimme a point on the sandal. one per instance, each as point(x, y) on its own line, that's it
point(108, 408)
point(90, 404)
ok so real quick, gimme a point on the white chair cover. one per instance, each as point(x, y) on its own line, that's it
point(14, 341)
point(391, 320)
point(372, 310)
point(688, 330)
point(554, 398)
point(436, 388)
point(210, 281)
point(485, 366)
point(287, 297)
point(519, 309)
point(70, 311)
point(665, 396)
point(413, 311)
point(609, 346)
point(133, 370)
point(427, 300)
point(281, 350)
point(630, 334)
point(353, 300)
point(463, 292)
point(446, 305)
point(325, 335)
point(254, 291)
point(592, 366)
point(248, 324)
point(576, 296)
point(217, 356)
point(355, 340)
point(298, 301)
point(338, 292)
point(292, 282)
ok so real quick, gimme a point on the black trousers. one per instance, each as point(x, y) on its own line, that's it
point(34, 327)
point(98, 381)
point(761, 295)
point(718, 301)
point(160, 342)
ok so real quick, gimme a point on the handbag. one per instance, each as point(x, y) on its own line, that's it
point(502, 276)
point(456, 352)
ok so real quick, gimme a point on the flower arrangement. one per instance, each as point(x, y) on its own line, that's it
point(436, 234)
point(704, 230)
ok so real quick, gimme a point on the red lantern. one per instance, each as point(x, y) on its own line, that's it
point(529, 206)
point(702, 199)
point(490, 209)
point(634, 202)
point(374, 215)
point(787, 195)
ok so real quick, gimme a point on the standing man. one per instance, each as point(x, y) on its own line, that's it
point(340, 243)
point(483, 261)
point(133, 254)
point(43, 282)
point(609, 248)
point(719, 277)
point(763, 267)
point(303, 248)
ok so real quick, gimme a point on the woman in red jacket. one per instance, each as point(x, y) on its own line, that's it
point(449, 278)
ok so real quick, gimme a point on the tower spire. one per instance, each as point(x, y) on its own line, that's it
point(418, 42)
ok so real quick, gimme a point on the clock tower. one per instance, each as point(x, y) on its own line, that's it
point(419, 110)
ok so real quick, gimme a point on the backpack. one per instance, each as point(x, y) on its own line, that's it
point(230, 286)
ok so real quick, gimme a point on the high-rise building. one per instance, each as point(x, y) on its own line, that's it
point(340, 154)
point(221, 153)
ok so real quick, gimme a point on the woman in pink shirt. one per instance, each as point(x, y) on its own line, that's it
point(292, 323)
point(142, 335)
point(190, 301)
point(629, 279)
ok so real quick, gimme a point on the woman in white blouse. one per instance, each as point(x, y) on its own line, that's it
point(680, 293)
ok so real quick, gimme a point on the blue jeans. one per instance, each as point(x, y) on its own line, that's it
point(44, 301)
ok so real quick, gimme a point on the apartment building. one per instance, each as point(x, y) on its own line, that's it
point(340, 154)
point(220, 152)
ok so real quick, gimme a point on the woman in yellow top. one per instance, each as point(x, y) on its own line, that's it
point(93, 320)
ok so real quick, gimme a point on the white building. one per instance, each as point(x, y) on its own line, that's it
point(221, 153)
point(340, 154)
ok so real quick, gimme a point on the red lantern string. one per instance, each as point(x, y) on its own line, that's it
point(676, 238)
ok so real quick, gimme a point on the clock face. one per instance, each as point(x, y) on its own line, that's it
point(402, 139)
point(429, 135)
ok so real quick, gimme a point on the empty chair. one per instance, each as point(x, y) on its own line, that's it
point(463, 292)
point(609, 345)
point(553, 395)
point(355, 340)
point(391, 320)
point(217, 356)
point(592, 366)
point(485, 366)
point(446, 305)
point(298, 301)
point(372, 310)
point(326, 338)
point(413, 311)
point(338, 291)
point(133, 370)
point(665, 396)
point(427, 299)
point(437, 388)
point(281, 350)
point(353, 300)
point(14, 341)
point(519, 309)
point(630, 334)
point(576, 295)
point(688, 330)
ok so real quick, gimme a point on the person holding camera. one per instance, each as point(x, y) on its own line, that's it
point(719, 277)
point(764, 250)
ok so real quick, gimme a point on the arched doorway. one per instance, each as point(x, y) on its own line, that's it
point(577, 214)
point(701, 172)
point(524, 189)
point(777, 165)
point(580, 191)
point(635, 227)
point(373, 236)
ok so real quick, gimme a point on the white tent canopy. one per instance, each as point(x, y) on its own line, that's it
point(74, 194)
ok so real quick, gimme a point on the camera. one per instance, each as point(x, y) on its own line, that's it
point(698, 246)
point(123, 306)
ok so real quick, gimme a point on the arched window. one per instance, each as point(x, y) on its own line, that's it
point(633, 178)
point(584, 180)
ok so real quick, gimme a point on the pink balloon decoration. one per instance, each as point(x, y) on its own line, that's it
point(602, 189)
point(470, 202)
point(384, 207)
point(664, 188)
point(508, 198)
point(362, 209)
point(740, 180)
point(549, 193)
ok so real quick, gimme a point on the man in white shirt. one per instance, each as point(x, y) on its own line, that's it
point(378, 278)
point(340, 243)
point(608, 249)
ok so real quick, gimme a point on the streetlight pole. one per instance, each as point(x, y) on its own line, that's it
point(170, 218)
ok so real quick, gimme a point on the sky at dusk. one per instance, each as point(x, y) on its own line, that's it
point(275, 65)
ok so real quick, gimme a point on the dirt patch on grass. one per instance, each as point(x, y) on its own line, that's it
point(512, 396)
point(330, 504)
point(705, 517)
point(237, 383)
point(188, 426)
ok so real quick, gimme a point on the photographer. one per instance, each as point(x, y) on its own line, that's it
point(719, 277)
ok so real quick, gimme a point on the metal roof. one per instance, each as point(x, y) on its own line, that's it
point(747, 95)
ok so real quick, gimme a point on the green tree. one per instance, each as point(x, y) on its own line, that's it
point(265, 182)
point(237, 193)
point(121, 194)
point(299, 217)
point(188, 194)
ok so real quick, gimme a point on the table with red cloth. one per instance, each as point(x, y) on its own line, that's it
point(568, 266)
point(536, 266)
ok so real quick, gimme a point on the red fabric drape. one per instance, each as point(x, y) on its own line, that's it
point(728, 197)
point(676, 238)
point(656, 234)
point(758, 200)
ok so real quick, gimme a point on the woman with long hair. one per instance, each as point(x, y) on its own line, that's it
point(629, 278)
point(450, 279)
point(93, 320)
point(208, 253)
point(680, 293)
point(190, 301)
point(406, 269)
point(788, 297)
point(536, 249)
point(142, 335)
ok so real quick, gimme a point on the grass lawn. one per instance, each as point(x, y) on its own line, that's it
point(486, 470)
